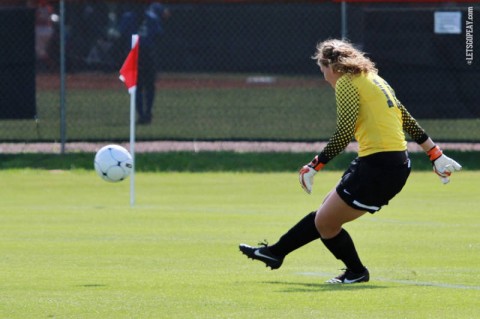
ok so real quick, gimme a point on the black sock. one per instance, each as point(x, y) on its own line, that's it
point(342, 247)
point(301, 234)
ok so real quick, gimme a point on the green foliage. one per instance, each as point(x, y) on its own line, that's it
point(72, 247)
point(212, 161)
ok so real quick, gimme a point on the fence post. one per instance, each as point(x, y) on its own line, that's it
point(344, 30)
point(63, 124)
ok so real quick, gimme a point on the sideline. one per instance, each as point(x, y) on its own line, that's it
point(204, 146)
point(402, 282)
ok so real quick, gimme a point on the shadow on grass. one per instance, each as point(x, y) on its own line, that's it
point(92, 285)
point(311, 287)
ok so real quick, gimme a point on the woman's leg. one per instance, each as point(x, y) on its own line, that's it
point(333, 213)
point(329, 220)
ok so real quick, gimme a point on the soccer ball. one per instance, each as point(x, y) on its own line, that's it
point(113, 163)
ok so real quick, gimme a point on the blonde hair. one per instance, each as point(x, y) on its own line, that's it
point(343, 57)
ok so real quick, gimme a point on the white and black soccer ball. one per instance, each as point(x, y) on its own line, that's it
point(113, 163)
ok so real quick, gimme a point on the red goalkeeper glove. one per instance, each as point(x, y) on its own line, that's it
point(307, 172)
point(443, 165)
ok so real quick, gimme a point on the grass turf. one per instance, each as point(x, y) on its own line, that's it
point(297, 113)
point(214, 161)
point(72, 247)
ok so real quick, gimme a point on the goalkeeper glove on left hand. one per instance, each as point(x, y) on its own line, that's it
point(443, 165)
point(307, 172)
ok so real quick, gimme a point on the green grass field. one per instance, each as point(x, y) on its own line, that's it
point(298, 112)
point(72, 247)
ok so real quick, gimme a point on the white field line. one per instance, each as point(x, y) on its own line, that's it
point(402, 282)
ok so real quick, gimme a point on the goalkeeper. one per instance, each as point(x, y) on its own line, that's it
point(368, 111)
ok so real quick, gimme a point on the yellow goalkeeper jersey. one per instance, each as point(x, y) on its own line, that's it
point(368, 111)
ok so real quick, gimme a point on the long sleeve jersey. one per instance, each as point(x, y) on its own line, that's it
point(368, 111)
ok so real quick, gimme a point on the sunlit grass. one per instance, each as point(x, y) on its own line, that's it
point(72, 247)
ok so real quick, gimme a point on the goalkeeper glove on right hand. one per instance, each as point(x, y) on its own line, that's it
point(307, 172)
point(443, 165)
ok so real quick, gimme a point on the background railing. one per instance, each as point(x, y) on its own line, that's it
point(232, 70)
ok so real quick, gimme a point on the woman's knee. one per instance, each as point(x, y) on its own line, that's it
point(333, 213)
point(327, 227)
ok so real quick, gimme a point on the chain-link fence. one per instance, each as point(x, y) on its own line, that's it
point(231, 70)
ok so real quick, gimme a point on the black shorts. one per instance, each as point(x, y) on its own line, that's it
point(371, 181)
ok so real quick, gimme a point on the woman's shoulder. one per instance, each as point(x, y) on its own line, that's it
point(347, 84)
point(348, 79)
point(357, 82)
point(364, 77)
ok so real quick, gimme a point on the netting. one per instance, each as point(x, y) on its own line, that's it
point(231, 70)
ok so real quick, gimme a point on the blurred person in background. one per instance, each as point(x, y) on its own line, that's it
point(150, 28)
point(149, 32)
point(44, 30)
point(87, 23)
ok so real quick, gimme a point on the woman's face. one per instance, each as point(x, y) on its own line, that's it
point(329, 75)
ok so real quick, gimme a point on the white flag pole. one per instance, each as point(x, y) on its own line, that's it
point(132, 144)
point(132, 92)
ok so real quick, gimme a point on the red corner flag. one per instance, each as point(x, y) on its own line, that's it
point(129, 70)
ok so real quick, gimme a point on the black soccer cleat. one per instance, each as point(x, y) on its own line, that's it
point(349, 277)
point(263, 254)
